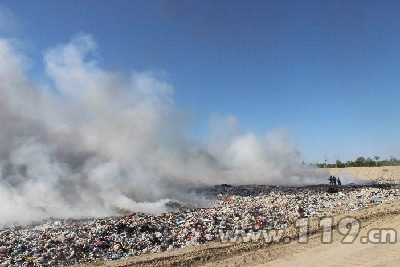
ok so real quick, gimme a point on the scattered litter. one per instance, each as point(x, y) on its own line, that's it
point(243, 208)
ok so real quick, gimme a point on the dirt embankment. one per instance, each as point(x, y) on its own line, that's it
point(366, 173)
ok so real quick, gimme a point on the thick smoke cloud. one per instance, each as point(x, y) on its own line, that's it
point(96, 143)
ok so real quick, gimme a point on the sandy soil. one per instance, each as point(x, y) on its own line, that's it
point(372, 173)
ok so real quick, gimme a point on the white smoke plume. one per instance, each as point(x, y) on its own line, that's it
point(96, 142)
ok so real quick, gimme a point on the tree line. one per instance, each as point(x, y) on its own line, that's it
point(362, 162)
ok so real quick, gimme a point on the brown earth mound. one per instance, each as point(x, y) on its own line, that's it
point(366, 173)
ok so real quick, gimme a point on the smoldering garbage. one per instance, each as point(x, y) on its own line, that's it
point(61, 242)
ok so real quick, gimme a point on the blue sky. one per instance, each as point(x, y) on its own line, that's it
point(328, 70)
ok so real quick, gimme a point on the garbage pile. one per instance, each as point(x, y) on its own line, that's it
point(247, 208)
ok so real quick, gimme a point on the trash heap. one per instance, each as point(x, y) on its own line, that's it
point(245, 208)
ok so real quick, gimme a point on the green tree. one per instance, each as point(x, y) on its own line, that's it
point(339, 164)
point(393, 161)
point(376, 158)
point(368, 162)
point(360, 161)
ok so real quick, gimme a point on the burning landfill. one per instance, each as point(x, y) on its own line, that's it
point(246, 208)
point(91, 143)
